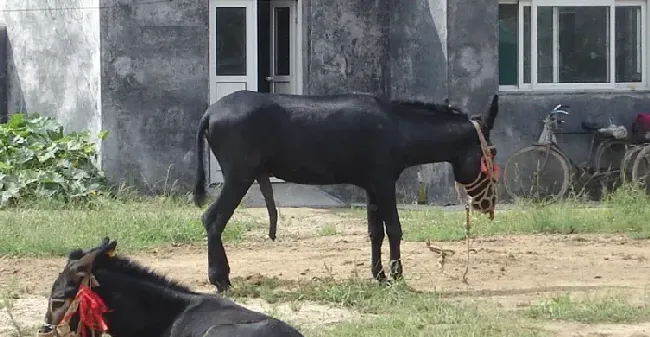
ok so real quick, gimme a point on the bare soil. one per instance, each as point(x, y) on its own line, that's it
point(511, 271)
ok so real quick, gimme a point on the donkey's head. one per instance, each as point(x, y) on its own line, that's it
point(63, 300)
point(473, 164)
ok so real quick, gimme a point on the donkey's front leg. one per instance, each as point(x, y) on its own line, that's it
point(376, 234)
point(388, 210)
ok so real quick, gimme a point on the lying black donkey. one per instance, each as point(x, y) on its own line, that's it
point(98, 292)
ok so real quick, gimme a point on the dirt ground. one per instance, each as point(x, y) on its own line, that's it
point(511, 271)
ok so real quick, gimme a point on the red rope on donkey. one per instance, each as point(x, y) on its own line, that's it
point(90, 308)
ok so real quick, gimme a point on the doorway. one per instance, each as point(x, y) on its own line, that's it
point(277, 41)
point(254, 45)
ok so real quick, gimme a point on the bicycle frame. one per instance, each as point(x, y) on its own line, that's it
point(550, 123)
point(548, 144)
point(547, 137)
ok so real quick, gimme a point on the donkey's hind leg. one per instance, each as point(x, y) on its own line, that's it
point(267, 192)
point(215, 219)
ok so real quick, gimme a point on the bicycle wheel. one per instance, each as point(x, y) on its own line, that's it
point(627, 162)
point(607, 163)
point(537, 172)
point(641, 168)
point(609, 155)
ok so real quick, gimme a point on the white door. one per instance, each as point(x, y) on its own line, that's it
point(283, 43)
point(233, 55)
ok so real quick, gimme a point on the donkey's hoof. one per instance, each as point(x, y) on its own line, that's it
point(222, 288)
point(383, 282)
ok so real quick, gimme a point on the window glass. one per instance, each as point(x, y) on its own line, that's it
point(583, 44)
point(282, 40)
point(628, 44)
point(573, 44)
point(231, 41)
point(544, 44)
point(508, 47)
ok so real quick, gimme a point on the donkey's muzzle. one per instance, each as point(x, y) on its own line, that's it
point(45, 328)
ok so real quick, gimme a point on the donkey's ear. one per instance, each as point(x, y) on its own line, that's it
point(75, 254)
point(104, 242)
point(89, 261)
point(492, 113)
point(110, 249)
point(107, 247)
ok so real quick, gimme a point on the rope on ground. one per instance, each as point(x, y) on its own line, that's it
point(443, 253)
point(467, 228)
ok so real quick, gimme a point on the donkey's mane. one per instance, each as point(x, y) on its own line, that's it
point(131, 268)
point(138, 271)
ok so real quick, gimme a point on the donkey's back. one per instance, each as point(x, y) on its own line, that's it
point(210, 316)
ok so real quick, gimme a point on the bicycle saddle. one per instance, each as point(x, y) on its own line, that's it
point(589, 125)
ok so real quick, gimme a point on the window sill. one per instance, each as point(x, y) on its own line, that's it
point(581, 90)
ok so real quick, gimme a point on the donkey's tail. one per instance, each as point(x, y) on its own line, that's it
point(199, 188)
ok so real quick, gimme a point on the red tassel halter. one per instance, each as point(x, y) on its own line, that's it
point(90, 308)
point(492, 174)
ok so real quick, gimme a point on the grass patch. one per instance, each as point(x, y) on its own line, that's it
point(394, 310)
point(417, 325)
point(45, 227)
point(327, 230)
point(40, 229)
point(611, 309)
point(624, 211)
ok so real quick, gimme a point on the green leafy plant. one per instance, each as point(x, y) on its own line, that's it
point(37, 159)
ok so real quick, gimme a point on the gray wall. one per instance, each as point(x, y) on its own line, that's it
point(154, 66)
point(392, 48)
point(347, 47)
point(520, 119)
point(472, 48)
point(439, 49)
point(419, 71)
point(53, 60)
point(347, 50)
point(431, 55)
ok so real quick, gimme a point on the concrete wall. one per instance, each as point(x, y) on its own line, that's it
point(431, 55)
point(347, 46)
point(392, 48)
point(347, 50)
point(154, 66)
point(53, 60)
point(439, 49)
point(419, 71)
point(520, 119)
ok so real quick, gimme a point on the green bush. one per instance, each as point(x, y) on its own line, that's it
point(39, 160)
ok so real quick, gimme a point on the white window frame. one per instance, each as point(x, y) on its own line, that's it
point(569, 87)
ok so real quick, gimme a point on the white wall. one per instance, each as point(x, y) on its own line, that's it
point(54, 60)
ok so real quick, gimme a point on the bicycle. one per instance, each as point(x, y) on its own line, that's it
point(635, 166)
point(627, 164)
point(639, 158)
point(557, 170)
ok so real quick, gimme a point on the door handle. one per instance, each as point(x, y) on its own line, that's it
point(269, 78)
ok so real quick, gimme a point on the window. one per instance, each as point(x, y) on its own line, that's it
point(576, 44)
point(231, 41)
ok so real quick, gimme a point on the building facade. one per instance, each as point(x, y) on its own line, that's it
point(145, 70)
